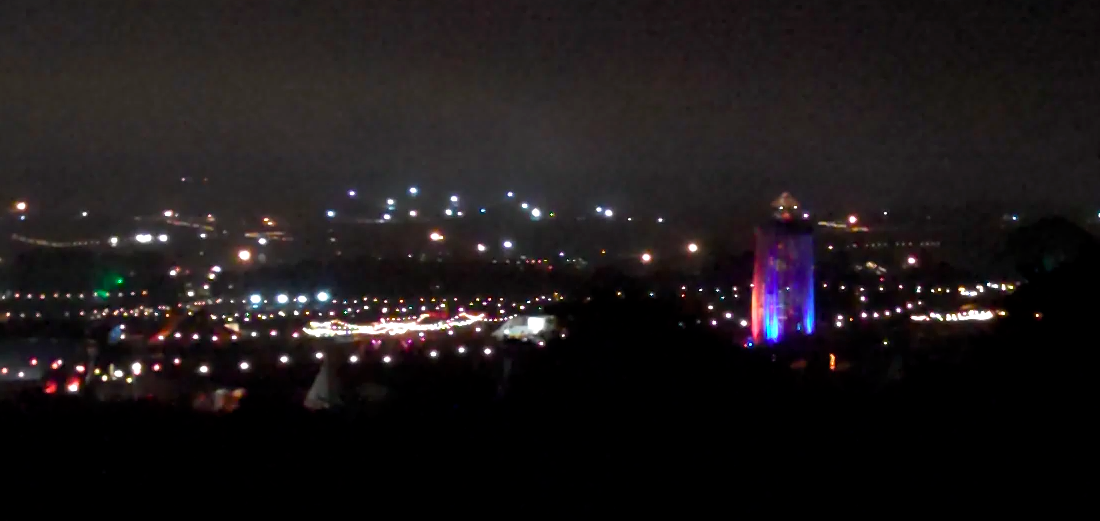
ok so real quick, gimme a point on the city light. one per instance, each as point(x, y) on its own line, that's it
point(351, 193)
point(390, 202)
point(646, 257)
point(852, 219)
point(244, 255)
point(436, 237)
point(481, 248)
point(169, 213)
point(507, 245)
point(454, 198)
point(255, 298)
point(692, 248)
point(413, 190)
point(162, 238)
point(143, 238)
point(523, 205)
point(323, 296)
point(412, 213)
point(302, 299)
point(282, 298)
point(608, 213)
point(511, 194)
point(536, 213)
point(911, 260)
point(330, 214)
point(20, 206)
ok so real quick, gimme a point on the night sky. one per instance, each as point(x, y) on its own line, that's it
point(108, 103)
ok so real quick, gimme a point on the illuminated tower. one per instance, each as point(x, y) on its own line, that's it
point(783, 276)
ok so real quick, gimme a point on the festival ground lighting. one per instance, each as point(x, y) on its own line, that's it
point(334, 328)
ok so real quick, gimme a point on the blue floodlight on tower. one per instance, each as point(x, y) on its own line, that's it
point(783, 277)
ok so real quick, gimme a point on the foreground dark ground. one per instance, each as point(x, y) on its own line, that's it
point(630, 395)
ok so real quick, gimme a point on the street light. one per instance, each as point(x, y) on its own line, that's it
point(692, 248)
point(646, 257)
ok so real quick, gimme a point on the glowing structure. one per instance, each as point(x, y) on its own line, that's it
point(783, 277)
point(334, 328)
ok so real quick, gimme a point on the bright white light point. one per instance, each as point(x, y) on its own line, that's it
point(173, 273)
point(136, 368)
point(353, 359)
point(436, 236)
point(508, 244)
point(255, 299)
point(523, 205)
point(204, 369)
point(608, 213)
point(693, 247)
point(487, 351)
point(113, 241)
point(330, 213)
point(454, 198)
point(21, 206)
point(262, 241)
point(481, 247)
point(318, 355)
point(599, 209)
point(390, 202)
point(302, 299)
point(351, 193)
point(386, 217)
point(646, 257)
point(412, 213)
point(805, 216)
point(323, 296)
point(244, 366)
point(244, 255)
point(284, 359)
point(535, 212)
point(511, 194)
point(282, 299)
point(83, 214)
point(413, 191)
point(660, 219)
point(852, 219)
point(433, 354)
point(448, 212)
point(216, 269)
point(386, 359)
point(911, 260)
point(162, 238)
point(168, 213)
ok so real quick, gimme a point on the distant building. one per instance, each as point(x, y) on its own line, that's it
point(783, 276)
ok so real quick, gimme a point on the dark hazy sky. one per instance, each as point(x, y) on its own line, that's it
point(583, 101)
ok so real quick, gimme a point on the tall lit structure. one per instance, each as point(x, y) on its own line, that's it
point(783, 276)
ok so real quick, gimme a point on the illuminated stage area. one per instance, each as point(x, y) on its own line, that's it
point(527, 328)
point(783, 277)
point(337, 328)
